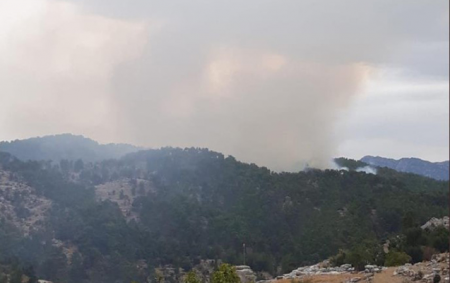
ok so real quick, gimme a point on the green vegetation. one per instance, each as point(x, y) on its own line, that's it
point(367, 252)
point(411, 245)
point(204, 205)
point(422, 244)
point(394, 258)
point(350, 164)
point(225, 274)
point(191, 277)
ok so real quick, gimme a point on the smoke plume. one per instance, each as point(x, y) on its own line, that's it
point(265, 85)
point(367, 170)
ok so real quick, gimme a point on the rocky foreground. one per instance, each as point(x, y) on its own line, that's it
point(424, 272)
point(324, 273)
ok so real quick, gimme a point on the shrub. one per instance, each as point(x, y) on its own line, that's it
point(440, 239)
point(225, 274)
point(428, 253)
point(338, 259)
point(415, 253)
point(358, 257)
point(191, 277)
point(394, 258)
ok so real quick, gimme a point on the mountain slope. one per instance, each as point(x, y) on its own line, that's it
point(435, 170)
point(178, 206)
point(65, 146)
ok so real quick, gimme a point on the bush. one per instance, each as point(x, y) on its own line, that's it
point(428, 253)
point(394, 258)
point(440, 239)
point(338, 259)
point(191, 277)
point(415, 253)
point(225, 274)
point(359, 257)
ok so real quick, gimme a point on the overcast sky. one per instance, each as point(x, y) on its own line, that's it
point(278, 83)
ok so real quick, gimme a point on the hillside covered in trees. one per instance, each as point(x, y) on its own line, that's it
point(117, 219)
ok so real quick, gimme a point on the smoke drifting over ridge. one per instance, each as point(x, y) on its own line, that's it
point(266, 85)
point(260, 107)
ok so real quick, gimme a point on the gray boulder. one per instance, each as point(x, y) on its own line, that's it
point(245, 273)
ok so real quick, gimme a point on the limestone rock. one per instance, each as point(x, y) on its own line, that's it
point(245, 273)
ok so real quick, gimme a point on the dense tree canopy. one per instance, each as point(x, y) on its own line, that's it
point(204, 205)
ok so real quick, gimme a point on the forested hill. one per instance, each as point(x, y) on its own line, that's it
point(435, 170)
point(115, 220)
point(65, 146)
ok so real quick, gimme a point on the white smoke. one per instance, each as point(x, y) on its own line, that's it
point(367, 170)
point(267, 85)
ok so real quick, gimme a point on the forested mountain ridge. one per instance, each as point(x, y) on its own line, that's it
point(435, 170)
point(74, 147)
point(65, 146)
point(115, 220)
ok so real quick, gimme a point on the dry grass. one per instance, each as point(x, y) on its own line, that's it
point(336, 278)
point(383, 277)
point(387, 276)
point(304, 280)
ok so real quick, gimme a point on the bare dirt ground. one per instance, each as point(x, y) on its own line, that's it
point(385, 276)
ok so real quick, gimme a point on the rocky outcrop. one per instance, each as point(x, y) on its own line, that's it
point(20, 205)
point(426, 271)
point(436, 222)
point(245, 273)
point(124, 192)
point(324, 268)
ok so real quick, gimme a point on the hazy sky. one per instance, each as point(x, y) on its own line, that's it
point(278, 83)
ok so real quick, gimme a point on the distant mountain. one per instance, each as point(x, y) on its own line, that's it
point(435, 170)
point(65, 146)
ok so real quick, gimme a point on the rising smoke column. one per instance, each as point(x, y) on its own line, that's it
point(257, 105)
point(261, 80)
